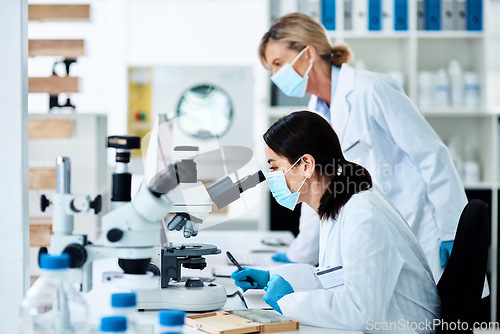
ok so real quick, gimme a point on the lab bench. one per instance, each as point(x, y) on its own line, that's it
point(234, 241)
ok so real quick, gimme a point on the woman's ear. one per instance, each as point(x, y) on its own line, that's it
point(309, 164)
point(311, 53)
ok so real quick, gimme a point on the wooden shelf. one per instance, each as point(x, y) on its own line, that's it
point(68, 48)
point(42, 178)
point(59, 12)
point(49, 128)
point(53, 85)
point(40, 231)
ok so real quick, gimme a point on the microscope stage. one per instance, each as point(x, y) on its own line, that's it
point(177, 296)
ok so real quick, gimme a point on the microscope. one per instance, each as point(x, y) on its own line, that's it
point(131, 230)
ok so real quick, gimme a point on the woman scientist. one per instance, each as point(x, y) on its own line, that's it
point(372, 270)
point(378, 127)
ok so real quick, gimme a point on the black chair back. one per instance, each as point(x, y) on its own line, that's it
point(462, 282)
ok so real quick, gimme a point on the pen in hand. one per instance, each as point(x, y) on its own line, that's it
point(240, 268)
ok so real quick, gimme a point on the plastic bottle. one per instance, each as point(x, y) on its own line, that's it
point(52, 305)
point(171, 322)
point(472, 89)
point(456, 84)
point(124, 304)
point(115, 324)
point(471, 166)
point(425, 89)
point(441, 89)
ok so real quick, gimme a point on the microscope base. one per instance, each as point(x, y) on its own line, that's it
point(177, 296)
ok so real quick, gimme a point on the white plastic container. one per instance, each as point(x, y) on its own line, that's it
point(115, 324)
point(456, 84)
point(52, 305)
point(425, 89)
point(472, 169)
point(125, 304)
point(171, 322)
point(441, 89)
point(472, 89)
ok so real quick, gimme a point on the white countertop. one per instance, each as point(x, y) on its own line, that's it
point(234, 241)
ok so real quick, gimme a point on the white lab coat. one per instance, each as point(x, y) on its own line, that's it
point(305, 247)
point(386, 277)
point(405, 157)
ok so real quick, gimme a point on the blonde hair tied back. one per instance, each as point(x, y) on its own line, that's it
point(296, 31)
point(341, 54)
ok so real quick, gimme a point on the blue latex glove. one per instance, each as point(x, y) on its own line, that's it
point(277, 288)
point(445, 251)
point(281, 257)
point(259, 277)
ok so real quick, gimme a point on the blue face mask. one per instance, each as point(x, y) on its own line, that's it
point(279, 189)
point(289, 81)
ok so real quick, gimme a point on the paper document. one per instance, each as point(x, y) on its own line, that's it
point(253, 298)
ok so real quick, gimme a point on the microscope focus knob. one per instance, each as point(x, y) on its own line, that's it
point(114, 235)
point(96, 204)
point(77, 255)
point(194, 282)
point(44, 203)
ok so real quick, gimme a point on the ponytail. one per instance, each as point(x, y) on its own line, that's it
point(341, 54)
point(350, 179)
point(305, 132)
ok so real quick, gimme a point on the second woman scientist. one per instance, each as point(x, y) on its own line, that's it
point(378, 127)
point(372, 270)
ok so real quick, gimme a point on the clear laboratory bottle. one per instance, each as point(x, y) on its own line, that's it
point(425, 89)
point(456, 84)
point(114, 324)
point(52, 305)
point(441, 89)
point(472, 169)
point(171, 322)
point(125, 304)
point(472, 89)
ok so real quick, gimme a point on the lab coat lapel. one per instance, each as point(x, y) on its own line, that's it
point(341, 110)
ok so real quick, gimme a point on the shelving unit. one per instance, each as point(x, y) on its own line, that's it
point(410, 52)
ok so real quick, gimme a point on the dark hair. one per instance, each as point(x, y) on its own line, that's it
point(305, 132)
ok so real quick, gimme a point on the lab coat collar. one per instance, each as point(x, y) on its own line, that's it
point(341, 107)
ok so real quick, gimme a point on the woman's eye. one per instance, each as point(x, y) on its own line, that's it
point(273, 168)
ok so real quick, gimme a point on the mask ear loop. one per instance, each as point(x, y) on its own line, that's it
point(298, 56)
point(292, 165)
point(302, 184)
point(308, 69)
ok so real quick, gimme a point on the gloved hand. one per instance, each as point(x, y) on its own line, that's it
point(259, 277)
point(277, 288)
point(281, 257)
point(182, 220)
point(445, 251)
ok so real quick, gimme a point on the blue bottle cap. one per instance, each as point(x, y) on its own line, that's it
point(113, 324)
point(171, 317)
point(123, 300)
point(54, 262)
